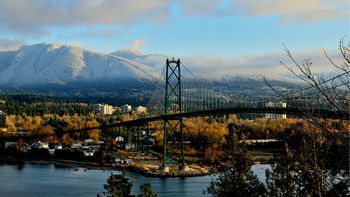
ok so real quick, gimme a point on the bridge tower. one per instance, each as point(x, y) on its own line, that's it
point(172, 105)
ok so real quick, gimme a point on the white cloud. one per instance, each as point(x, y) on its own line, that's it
point(105, 32)
point(36, 16)
point(265, 64)
point(195, 7)
point(295, 10)
point(137, 43)
point(10, 45)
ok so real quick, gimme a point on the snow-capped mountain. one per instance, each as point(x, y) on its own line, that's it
point(60, 64)
point(61, 67)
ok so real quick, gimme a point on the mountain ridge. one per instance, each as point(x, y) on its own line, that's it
point(49, 67)
point(48, 63)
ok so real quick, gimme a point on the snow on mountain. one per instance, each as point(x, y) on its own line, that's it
point(59, 64)
point(50, 64)
point(128, 53)
point(154, 62)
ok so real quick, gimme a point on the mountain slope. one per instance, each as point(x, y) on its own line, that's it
point(63, 69)
point(61, 64)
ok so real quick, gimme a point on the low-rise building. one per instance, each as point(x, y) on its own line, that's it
point(58, 147)
point(119, 139)
point(40, 145)
point(10, 145)
point(121, 160)
point(89, 141)
point(130, 146)
point(77, 145)
point(88, 152)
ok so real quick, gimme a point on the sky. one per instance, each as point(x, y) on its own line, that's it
point(213, 30)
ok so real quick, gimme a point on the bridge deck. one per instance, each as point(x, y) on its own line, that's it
point(290, 111)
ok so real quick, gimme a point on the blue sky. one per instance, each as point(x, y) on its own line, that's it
point(217, 27)
point(192, 28)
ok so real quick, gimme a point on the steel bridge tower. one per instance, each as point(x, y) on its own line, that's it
point(173, 104)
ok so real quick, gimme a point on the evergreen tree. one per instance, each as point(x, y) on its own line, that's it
point(238, 180)
point(146, 191)
point(118, 186)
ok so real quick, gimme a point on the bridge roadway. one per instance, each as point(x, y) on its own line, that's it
point(344, 115)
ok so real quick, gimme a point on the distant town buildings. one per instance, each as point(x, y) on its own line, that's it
point(140, 109)
point(119, 139)
point(104, 109)
point(276, 105)
point(126, 108)
point(40, 145)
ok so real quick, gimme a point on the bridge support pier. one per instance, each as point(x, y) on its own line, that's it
point(164, 169)
point(138, 142)
point(184, 168)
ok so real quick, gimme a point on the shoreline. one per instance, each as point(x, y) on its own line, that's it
point(62, 163)
point(112, 167)
point(138, 166)
point(95, 166)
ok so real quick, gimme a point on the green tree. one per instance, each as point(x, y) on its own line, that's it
point(281, 181)
point(120, 186)
point(117, 186)
point(146, 191)
point(238, 180)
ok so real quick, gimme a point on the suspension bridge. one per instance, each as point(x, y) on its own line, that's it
point(180, 94)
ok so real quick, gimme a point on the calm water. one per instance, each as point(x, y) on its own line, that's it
point(46, 180)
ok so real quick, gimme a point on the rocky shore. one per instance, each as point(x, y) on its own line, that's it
point(146, 164)
point(137, 167)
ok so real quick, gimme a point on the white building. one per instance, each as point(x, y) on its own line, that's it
point(104, 109)
point(281, 105)
point(276, 105)
point(89, 141)
point(126, 108)
point(141, 110)
point(270, 104)
point(77, 145)
point(119, 139)
point(10, 145)
point(40, 145)
point(88, 152)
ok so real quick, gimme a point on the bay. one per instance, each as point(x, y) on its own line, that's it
point(47, 180)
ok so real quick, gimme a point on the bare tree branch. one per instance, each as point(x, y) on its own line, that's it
point(334, 91)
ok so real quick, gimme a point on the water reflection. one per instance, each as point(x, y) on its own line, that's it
point(26, 179)
point(20, 165)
